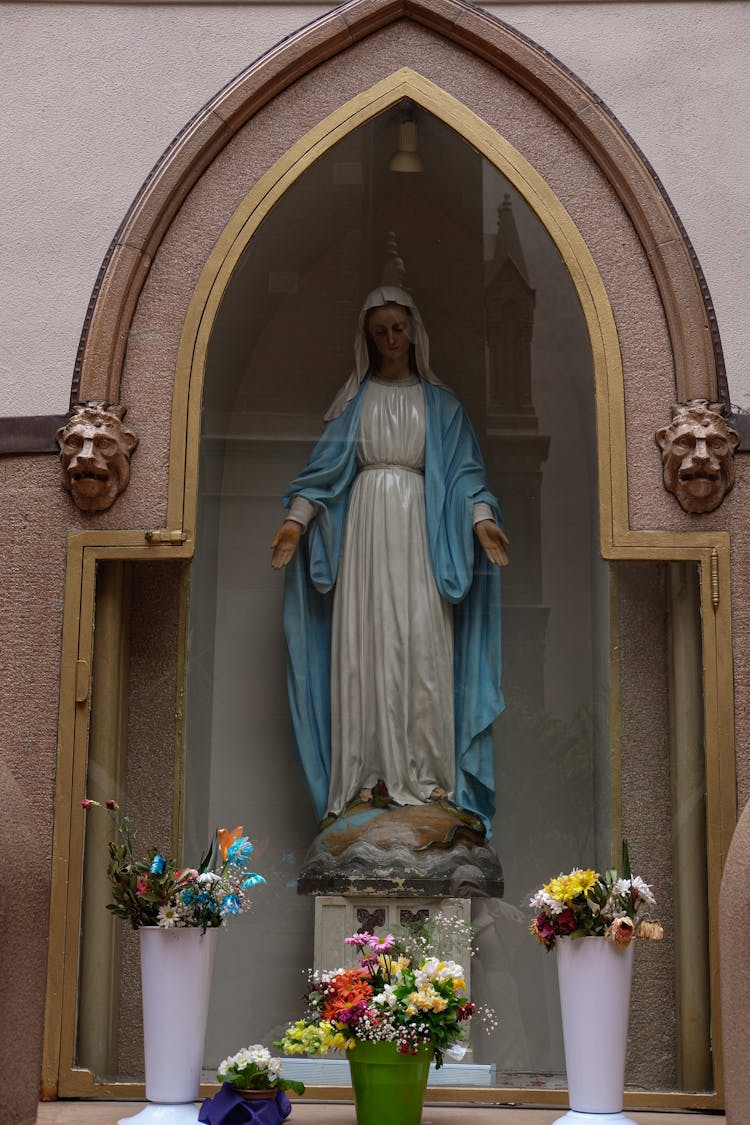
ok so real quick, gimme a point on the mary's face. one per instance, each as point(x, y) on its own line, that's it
point(389, 328)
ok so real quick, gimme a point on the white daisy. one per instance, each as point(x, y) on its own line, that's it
point(168, 916)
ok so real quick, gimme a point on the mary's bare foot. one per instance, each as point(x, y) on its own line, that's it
point(365, 796)
point(438, 793)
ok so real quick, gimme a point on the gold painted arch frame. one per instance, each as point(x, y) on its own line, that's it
point(257, 205)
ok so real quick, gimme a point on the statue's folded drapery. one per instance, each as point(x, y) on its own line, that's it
point(454, 482)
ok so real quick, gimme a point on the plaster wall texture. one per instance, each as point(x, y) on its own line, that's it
point(97, 94)
point(108, 87)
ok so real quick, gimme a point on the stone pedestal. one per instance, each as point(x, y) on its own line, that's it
point(339, 916)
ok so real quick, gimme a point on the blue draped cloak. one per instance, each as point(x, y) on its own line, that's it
point(455, 480)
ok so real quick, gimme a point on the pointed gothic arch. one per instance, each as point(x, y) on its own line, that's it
point(698, 363)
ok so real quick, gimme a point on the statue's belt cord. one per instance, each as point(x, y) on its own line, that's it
point(390, 465)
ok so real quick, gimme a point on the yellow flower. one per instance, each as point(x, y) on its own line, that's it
point(557, 888)
point(426, 1000)
point(583, 881)
point(565, 888)
point(393, 964)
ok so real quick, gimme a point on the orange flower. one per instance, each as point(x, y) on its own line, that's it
point(227, 838)
point(344, 991)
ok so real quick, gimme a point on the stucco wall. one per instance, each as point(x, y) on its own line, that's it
point(98, 92)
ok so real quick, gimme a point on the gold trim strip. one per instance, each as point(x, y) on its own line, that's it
point(81, 1087)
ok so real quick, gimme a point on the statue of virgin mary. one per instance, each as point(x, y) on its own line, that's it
point(393, 546)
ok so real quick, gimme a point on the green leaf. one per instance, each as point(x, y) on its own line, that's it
point(207, 859)
point(290, 1084)
point(626, 872)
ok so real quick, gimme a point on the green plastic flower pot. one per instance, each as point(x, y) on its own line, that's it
point(388, 1087)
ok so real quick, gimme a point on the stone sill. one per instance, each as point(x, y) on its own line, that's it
point(319, 1113)
point(503, 4)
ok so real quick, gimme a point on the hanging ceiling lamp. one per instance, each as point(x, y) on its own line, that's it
point(407, 158)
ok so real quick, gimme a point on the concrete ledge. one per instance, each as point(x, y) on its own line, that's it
point(320, 1113)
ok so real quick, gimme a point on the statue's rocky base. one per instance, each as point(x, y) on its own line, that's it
point(434, 850)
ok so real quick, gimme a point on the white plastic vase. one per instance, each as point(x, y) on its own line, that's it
point(176, 969)
point(594, 978)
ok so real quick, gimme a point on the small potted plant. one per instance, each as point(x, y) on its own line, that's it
point(250, 1080)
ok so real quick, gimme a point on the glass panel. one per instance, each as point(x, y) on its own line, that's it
point(133, 758)
point(658, 682)
point(508, 335)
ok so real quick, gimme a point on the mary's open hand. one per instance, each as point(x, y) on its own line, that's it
point(285, 543)
point(493, 541)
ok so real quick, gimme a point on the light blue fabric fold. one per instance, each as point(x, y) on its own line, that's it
point(455, 480)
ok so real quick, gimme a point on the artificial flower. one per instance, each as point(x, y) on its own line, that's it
point(226, 839)
point(239, 851)
point(651, 931)
point(252, 880)
point(620, 931)
point(344, 991)
point(359, 939)
point(167, 916)
point(642, 890)
point(154, 891)
point(586, 904)
point(230, 905)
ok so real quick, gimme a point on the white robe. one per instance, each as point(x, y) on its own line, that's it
point(392, 640)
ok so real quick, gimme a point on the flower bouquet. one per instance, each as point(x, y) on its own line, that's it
point(252, 1090)
point(154, 891)
point(587, 904)
point(402, 1006)
point(177, 912)
point(395, 995)
point(609, 910)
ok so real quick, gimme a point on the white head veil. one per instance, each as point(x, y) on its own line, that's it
point(383, 295)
